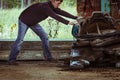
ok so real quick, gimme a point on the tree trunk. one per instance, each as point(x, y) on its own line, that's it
point(1, 4)
point(29, 2)
point(22, 3)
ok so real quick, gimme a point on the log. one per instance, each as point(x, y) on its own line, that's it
point(107, 42)
point(97, 36)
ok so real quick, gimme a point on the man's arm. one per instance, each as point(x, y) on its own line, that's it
point(64, 13)
point(53, 14)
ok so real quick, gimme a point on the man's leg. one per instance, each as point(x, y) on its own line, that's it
point(45, 42)
point(17, 44)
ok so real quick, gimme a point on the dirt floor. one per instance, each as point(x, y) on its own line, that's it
point(41, 70)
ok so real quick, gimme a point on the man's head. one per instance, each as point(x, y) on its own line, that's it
point(56, 3)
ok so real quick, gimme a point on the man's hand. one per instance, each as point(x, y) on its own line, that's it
point(73, 22)
point(77, 21)
point(79, 18)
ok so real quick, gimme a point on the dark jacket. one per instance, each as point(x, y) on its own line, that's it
point(40, 11)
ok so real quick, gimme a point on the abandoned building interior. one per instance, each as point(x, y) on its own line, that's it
point(93, 53)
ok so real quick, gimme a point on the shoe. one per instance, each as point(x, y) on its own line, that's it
point(12, 62)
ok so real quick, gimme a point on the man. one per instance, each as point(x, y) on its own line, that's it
point(30, 18)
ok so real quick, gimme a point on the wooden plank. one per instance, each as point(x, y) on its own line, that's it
point(32, 50)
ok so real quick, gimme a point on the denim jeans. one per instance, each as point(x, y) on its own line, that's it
point(22, 29)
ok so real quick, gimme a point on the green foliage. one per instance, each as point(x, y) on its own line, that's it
point(11, 3)
point(43, 0)
point(8, 4)
point(1, 28)
point(54, 29)
point(70, 2)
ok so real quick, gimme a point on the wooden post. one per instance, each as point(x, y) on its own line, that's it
point(114, 10)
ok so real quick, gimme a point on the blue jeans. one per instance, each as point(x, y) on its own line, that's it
point(21, 33)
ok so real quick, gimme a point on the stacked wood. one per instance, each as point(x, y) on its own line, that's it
point(99, 40)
